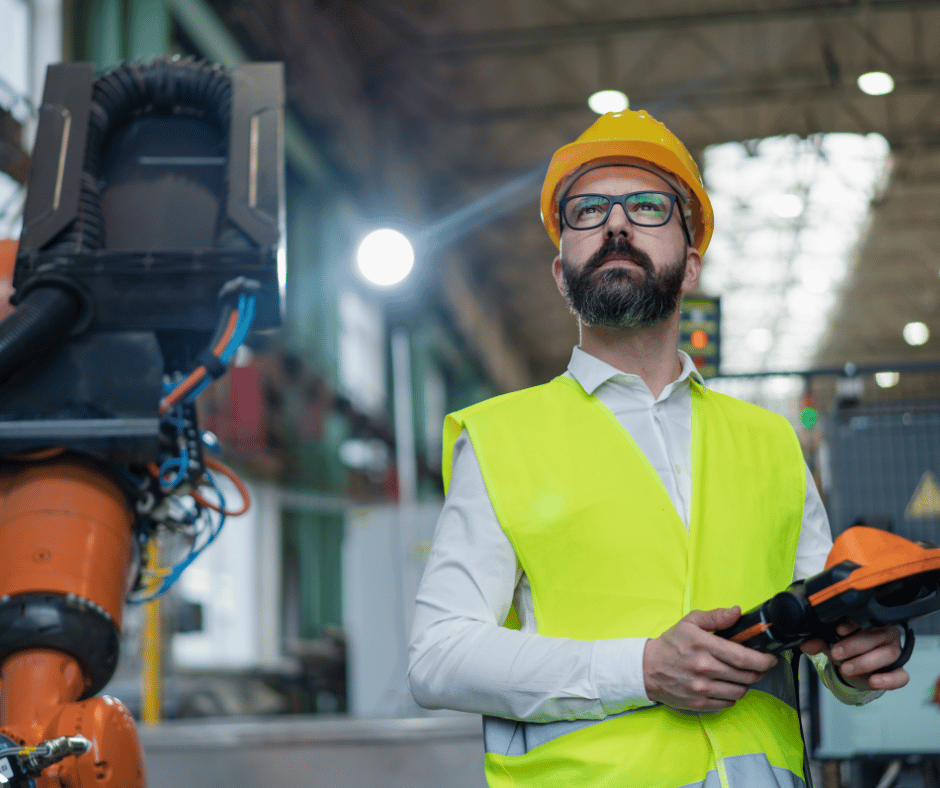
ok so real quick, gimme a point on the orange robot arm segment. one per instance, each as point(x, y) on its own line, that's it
point(67, 533)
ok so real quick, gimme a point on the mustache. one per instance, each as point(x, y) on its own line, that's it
point(621, 247)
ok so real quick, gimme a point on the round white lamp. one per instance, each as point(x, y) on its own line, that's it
point(385, 257)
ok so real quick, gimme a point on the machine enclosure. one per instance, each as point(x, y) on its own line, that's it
point(186, 209)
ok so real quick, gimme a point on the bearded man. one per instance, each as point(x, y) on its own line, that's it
point(600, 528)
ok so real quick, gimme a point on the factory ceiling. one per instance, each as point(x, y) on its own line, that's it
point(436, 106)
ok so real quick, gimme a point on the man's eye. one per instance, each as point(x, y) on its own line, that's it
point(591, 207)
point(649, 208)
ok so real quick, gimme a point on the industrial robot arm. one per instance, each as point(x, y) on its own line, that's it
point(152, 230)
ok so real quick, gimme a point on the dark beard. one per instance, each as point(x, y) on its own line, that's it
point(622, 297)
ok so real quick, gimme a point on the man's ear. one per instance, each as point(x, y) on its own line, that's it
point(558, 274)
point(693, 267)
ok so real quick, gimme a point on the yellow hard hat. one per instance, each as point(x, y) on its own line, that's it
point(628, 135)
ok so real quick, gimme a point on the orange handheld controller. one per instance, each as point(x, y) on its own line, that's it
point(872, 577)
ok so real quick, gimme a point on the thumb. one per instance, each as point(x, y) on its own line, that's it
point(812, 647)
point(711, 620)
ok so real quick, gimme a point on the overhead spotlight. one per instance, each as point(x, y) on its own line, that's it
point(385, 257)
point(876, 83)
point(608, 101)
point(916, 333)
point(886, 380)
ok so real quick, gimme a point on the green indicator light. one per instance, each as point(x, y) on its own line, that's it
point(809, 417)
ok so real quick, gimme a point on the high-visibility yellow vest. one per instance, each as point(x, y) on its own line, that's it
point(607, 556)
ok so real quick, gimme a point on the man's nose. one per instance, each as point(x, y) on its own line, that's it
point(617, 221)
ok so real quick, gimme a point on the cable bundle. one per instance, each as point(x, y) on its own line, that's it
point(183, 472)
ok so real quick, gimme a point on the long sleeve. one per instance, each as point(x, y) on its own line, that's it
point(811, 554)
point(461, 657)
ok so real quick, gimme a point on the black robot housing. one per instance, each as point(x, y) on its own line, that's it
point(156, 192)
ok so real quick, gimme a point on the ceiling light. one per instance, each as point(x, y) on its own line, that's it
point(385, 257)
point(788, 206)
point(887, 379)
point(916, 333)
point(876, 83)
point(608, 101)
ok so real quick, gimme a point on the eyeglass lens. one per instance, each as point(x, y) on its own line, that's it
point(650, 209)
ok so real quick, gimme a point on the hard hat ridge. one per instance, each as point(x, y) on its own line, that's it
point(632, 138)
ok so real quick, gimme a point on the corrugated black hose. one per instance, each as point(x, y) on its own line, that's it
point(43, 318)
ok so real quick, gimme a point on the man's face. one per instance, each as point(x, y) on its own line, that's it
point(620, 274)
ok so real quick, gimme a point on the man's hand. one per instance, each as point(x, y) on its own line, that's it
point(687, 667)
point(859, 657)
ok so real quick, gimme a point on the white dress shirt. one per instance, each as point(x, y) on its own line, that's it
point(461, 657)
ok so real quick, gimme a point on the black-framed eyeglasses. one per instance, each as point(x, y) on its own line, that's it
point(646, 209)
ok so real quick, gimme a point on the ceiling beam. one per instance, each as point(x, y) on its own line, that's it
point(499, 41)
point(748, 96)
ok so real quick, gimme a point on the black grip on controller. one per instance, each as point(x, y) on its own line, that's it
point(747, 620)
point(906, 650)
point(782, 622)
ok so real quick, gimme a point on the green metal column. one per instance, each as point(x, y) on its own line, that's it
point(105, 33)
point(314, 541)
point(148, 29)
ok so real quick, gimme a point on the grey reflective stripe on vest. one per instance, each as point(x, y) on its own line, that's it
point(750, 771)
point(778, 681)
point(515, 737)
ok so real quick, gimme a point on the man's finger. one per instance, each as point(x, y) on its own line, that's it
point(725, 691)
point(728, 652)
point(711, 620)
point(846, 628)
point(872, 660)
point(741, 657)
point(889, 681)
point(865, 641)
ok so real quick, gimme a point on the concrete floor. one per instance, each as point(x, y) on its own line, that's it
point(304, 752)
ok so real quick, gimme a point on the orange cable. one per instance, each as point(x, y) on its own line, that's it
point(187, 385)
point(242, 489)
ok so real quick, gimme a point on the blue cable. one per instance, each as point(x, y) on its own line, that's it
point(199, 389)
point(181, 462)
point(241, 330)
point(194, 551)
point(246, 313)
point(246, 310)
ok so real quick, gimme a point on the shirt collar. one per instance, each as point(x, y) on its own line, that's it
point(591, 372)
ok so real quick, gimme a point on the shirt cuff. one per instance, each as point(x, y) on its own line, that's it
point(840, 690)
point(617, 674)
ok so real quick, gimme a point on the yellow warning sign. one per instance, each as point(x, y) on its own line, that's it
point(925, 502)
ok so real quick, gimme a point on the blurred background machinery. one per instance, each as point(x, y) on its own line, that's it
point(437, 119)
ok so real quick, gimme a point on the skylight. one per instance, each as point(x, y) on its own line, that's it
point(789, 215)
